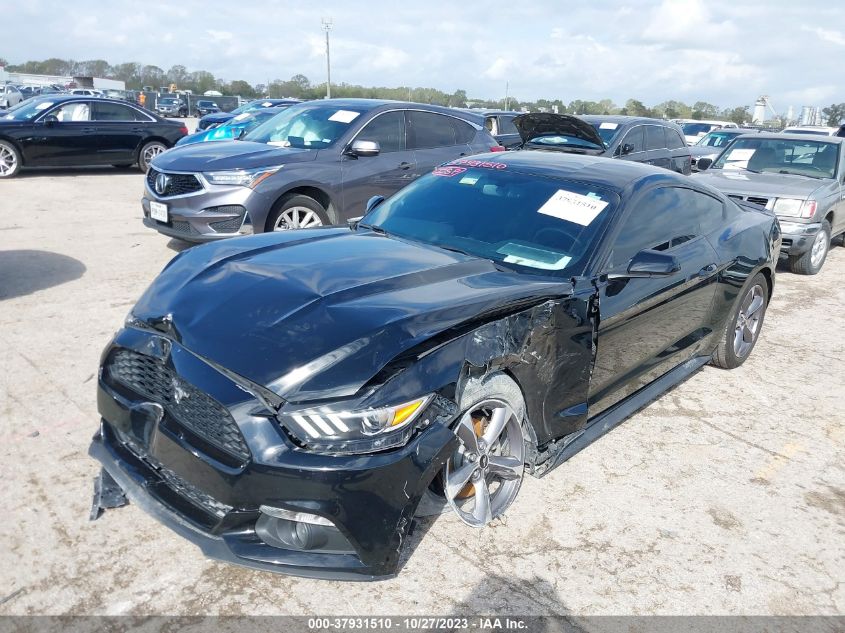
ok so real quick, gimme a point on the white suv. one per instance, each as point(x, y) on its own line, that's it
point(9, 96)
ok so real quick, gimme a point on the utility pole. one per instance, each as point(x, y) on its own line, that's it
point(507, 97)
point(327, 25)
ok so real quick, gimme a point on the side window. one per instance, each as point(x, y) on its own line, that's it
point(663, 218)
point(426, 129)
point(506, 125)
point(464, 132)
point(388, 130)
point(635, 139)
point(654, 137)
point(104, 111)
point(77, 111)
point(710, 211)
point(674, 140)
point(490, 124)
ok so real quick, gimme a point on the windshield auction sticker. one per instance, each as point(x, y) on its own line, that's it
point(573, 207)
point(344, 116)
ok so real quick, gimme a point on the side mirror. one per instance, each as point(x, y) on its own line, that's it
point(649, 263)
point(626, 148)
point(50, 120)
point(361, 148)
point(704, 163)
point(352, 223)
point(373, 202)
point(241, 133)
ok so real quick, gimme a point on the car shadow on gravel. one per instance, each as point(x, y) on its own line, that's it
point(52, 172)
point(23, 272)
point(179, 245)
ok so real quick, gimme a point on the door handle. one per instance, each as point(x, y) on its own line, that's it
point(89, 130)
point(707, 270)
point(404, 165)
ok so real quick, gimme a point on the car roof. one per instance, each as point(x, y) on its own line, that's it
point(780, 136)
point(608, 173)
point(368, 105)
point(483, 112)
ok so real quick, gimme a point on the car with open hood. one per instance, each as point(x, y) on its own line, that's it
point(314, 164)
point(801, 178)
point(638, 139)
point(291, 401)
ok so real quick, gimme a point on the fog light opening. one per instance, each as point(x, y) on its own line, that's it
point(291, 532)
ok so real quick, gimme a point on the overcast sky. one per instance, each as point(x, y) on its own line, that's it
point(726, 52)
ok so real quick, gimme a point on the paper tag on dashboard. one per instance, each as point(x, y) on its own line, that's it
point(573, 207)
point(344, 116)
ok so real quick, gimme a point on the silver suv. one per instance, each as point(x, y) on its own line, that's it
point(9, 96)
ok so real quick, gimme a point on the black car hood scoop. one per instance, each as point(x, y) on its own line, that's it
point(537, 124)
point(316, 313)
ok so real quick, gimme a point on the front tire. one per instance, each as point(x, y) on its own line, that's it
point(148, 152)
point(482, 478)
point(10, 160)
point(811, 262)
point(743, 328)
point(297, 211)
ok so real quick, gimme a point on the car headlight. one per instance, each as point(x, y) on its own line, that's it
point(331, 429)
point(792, 208)
point(244, 177)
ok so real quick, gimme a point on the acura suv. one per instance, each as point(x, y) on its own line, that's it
point(314, 164)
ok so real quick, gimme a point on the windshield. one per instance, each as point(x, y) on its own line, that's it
point(607, 131)
point(312, 126)
point(803, 158)
point(27, 110)
point(697, 129)
point(167, 101)
point(526, 222)
point(206, 104)
point(718, 139)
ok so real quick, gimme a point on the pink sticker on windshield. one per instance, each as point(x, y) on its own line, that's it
point(448, 171)
point(470, 162)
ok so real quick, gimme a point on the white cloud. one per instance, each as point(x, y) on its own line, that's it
point(834, 37)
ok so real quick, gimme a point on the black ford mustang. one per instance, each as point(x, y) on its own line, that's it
point(71, 131)
point(290, 401)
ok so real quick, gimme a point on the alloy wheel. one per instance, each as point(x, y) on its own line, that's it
point(748, 321)
point(819, 249)
point(8, 161)
point(297, 218)
point(151, 151)
point(483, 476)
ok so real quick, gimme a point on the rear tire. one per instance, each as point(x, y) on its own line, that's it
point(10, 160)
point(297, 211)
point(811, 262)
point(744, 325)
point(148, 152)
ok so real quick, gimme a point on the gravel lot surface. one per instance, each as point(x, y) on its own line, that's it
point(726, 496)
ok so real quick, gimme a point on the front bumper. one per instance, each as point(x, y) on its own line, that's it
point(797, 238)
point(168, 471)
point(213, 213)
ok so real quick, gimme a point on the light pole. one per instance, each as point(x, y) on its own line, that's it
point(327, 25)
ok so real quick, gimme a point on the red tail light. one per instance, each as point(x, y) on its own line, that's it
point(184, 130)
point(497, 148)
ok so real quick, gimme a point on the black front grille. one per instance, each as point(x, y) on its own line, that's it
point(177, 184)
point(180, 226)
point(761, 201)
point(194, 494)
point(193, 409)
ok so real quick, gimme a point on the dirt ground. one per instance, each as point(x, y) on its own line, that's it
point(725, 496)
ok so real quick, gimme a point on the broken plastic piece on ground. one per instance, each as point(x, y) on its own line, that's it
point(107, 494)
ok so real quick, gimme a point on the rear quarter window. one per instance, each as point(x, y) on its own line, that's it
point(427, 129)
point(674, 140)
point(655, 139)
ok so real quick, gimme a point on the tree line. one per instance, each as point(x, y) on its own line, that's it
point(137, 75)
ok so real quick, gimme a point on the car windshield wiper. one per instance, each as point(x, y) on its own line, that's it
point(373, 228)
point(791, 173)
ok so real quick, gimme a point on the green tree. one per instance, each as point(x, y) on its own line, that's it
point(834, 113)
point(738, 115)
point(704, 110)
point(633, 107)
point(179, 75)
point(242, 88)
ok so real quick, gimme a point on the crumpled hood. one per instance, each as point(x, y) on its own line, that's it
point(222, 156)
point(217, 117)
point(536, 124)
point(767, 185)
point(317, 313)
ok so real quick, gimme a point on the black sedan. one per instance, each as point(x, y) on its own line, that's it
point(289, 401)
point(71, 131)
